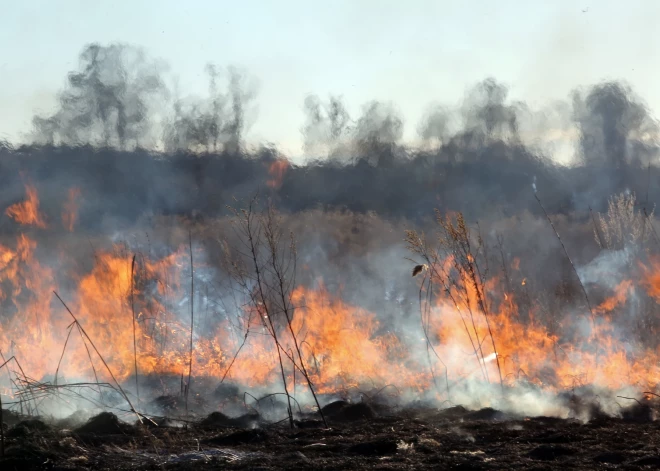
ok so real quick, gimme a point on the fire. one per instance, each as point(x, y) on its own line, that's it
point(276, 170)
point(106, 298)
point(530, 352)
point(70, 210)
point(346, 351)
point(474, 334)
point(27, 286)
point(27, 212)
point(620, 296)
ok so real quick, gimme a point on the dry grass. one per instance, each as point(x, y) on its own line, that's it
point(623, 225)
point(463, 282)
point(265, 266)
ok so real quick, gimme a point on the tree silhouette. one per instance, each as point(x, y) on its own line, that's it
point(106, 101)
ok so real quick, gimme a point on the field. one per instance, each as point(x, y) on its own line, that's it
point(360, 436)
point(224, 308)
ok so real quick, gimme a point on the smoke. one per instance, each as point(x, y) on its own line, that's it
point(617, 135)
point(213, 124)
point(142, 156)
point(327, 127)
point(486, 153)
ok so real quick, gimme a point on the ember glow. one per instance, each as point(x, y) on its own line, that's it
point(344, 346)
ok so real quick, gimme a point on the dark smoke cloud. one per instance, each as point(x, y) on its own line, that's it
point(488, 114)
point(483, 169)
point(613, 125)
point(435, 124)
point(617, 138)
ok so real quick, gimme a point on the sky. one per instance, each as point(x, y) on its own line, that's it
point(411, 53)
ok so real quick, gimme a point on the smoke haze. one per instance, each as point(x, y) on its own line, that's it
point(148, 165)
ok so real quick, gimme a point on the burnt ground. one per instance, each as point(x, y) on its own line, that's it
point(358, 437)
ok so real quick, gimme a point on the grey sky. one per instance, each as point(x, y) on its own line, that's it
point(411, 52)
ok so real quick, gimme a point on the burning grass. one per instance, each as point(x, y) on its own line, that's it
point(225, 318)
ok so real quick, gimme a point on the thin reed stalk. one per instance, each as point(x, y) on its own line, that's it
point(192, 316)
point(137, 386)
point(584, 290)
point(107, 367)
point(268, 316)
point(273, 235)
point(25, 380)
point(2, 430)
point(251, 233)
point(425, 314)
point(507, 277)
point(601, 242)
point(66, 342)
point(454, 239)
point(89, 355)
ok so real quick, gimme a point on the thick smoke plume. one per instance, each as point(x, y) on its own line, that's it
point(136, 163)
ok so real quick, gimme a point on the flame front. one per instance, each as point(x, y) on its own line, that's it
point(343, 346)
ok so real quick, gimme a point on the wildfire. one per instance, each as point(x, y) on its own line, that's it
point(27, 212)
point(620, 296)
point(346, 351)
point(343, 346)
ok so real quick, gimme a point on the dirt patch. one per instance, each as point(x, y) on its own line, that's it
point(374, 448)
point(550, 452)
point(218, 420)
point(242, 437)
point(29, 428)
point(487, 413)
point(342, 411)
point(10, 418)
point(106, 423)
point(27, 455)
point(639, 412)
point(611, 457)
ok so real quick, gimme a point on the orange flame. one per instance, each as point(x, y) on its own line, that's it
point(276, 170)
point(27, 212)
point(343, 346)
point(346, 350)
point(619, 298)
point(70, 210)
point(530, 352)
